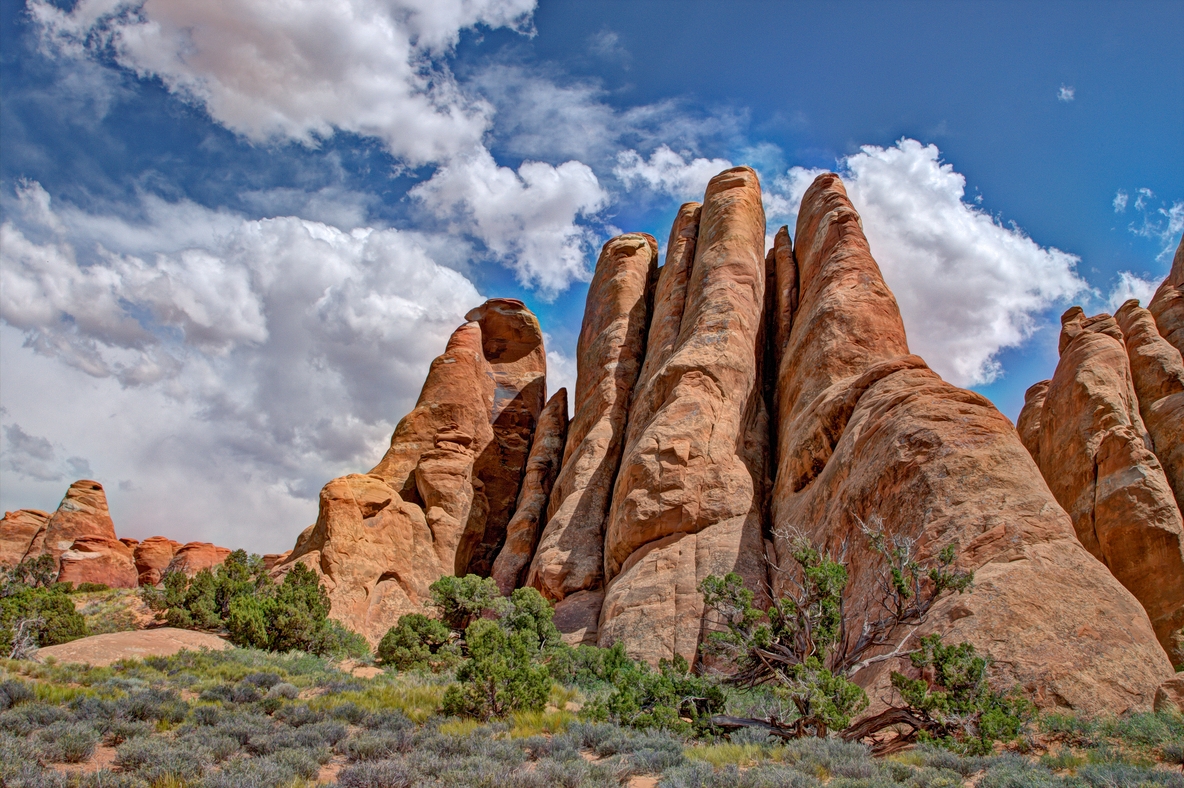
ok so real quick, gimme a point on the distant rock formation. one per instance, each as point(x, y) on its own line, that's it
point(80, 537)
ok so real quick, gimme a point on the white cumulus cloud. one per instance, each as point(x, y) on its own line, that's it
point(525, 218)
point(1066, 93)
point(668, 172)
point(1130, 286)
point(278, 351)
point(299, 70)
point(968, 286)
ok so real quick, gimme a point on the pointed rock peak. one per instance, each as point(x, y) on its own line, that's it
point(86, 495)
point(1074, 323)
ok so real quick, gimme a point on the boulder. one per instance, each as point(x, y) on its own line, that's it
point(866, 429)
point(1157, 371)
point(1169, 698)
point(373, 551)
point(153, 556)
point(689, 497)
point(1167, 305)
point(512, 343)
point(272, 560)
point(609, 351)
point(193, 557)
point(82, 512)
point(542, 466)
point(96, 559)
point(1096, 456)
point(18, 531)
point(1028, 424)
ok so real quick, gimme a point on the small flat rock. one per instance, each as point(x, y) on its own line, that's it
point(100, 650)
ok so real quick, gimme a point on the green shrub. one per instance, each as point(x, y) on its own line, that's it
point(90, 588)
point(68, 742)
point(501, 674)
point(413, 642)
point(48, 615)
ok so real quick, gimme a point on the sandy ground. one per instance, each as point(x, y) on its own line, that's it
point(101, 650)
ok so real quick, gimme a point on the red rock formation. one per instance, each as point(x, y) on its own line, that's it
point(153, 556)
point(1158, 374)
point(512, 343)
point(542, 466)
point(439, 500)
point(1028, 424)
point(193, 557)
point(688, 499)
point(82, 513)
point(1096, 457)
point(612, 340)
point(1167, 305)
point(96, 559)
point(18, 531)
point(374, 551)
point(865, 428)
point(272, 560)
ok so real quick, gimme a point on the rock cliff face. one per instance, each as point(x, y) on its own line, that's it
point(1167, 305)
point(82, 513)
point(95, 559)
point(867, 429)
point(153, 556)
point(1107, 428)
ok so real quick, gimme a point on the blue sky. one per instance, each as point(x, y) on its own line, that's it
point(234, 237)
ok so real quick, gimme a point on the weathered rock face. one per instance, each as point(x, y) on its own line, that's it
point(688, 499)
point(96, 559)
point(1167, 306)
point(1158, 374)
point(82, 513)
point(1028, 424)
point(152, 557)
point(1096, 456)
point(374, 552)
point(440, 499)
point(18, 531)
point(865, 428)
point(609, 351)
point(193, 557)
point(542, 466)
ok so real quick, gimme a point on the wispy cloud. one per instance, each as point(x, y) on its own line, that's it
point(1066, 93)
point(1121, 198)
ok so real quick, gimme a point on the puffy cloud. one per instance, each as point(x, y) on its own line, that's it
point(1130, 286)
point(1121, 198)
point(299, 70)
point(668, 172)
point(526, 219)
point(561, 372)
point(1066, 93)
point(967, 285)
point(255, 359)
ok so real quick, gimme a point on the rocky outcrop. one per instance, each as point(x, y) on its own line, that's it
point(441, 497)
point(1028, 424)
point(96, 559)
point(689, 496)
point(1167, 305)
point(1096, 456)
point(867, 429)
point(609, 352)
point(18, 532)
point(512, 343)
point(192, 557)
point(374, 551)
point(1157, 371)
point(82, 513)
point(152, 557)
point(542, 466)
point(1169, 698)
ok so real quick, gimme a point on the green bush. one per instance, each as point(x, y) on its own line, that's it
point(255, 612)
point(414, 642)
point(48, 615)
point(501, 675)
point(670, 698)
